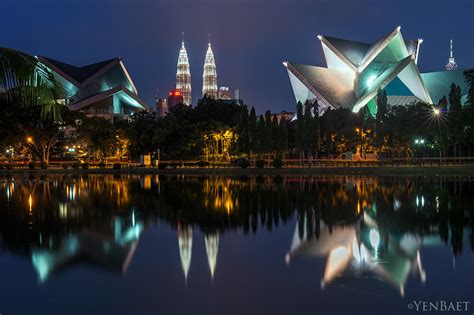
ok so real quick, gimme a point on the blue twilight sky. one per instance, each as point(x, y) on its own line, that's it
point(250, 38)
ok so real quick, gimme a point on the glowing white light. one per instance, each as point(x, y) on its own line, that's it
point(371, 80)
point(436, 111)
point(374, 237)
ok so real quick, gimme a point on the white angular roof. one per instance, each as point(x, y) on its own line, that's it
point(356, 70)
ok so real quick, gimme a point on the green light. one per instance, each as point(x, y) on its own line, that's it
point(371, 80)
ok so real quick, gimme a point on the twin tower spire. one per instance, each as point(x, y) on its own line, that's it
point(209, 76)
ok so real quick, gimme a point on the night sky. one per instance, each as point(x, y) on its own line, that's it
point(250, 38)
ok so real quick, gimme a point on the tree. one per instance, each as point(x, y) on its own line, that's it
point(300, 133)
point(243, 142)
point(283, 136)
point(308, 128)
point(261, 147)
point(268, 136)
point(25, 82)
point(253, 138)
point(98, 136)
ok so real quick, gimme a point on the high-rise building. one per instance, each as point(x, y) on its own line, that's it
point(451, 64)
point(183, 75)
point(161, 106)
point(224, 93)
point(209, 76)
point(175, 97)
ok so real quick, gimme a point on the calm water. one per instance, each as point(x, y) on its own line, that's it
point(105, 244)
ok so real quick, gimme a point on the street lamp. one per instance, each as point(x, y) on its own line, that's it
point(29, 140)
point(418, 142)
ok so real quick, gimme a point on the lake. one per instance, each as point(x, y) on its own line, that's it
point(149, 244)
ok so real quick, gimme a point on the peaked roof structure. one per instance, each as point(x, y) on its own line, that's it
point(103, 88)
point(79, 74)
point(356, 70)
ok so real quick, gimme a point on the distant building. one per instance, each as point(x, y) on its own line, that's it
point(175, 97)
point(451, 63)
point(224, 93)
point(209, 76)
point(355, 71)
point(183, 75)
point(104, 89)
point(161, 106)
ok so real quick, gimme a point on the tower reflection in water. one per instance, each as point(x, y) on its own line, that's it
point(361, 226)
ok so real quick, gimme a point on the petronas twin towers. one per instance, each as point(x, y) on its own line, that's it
point(209, 76)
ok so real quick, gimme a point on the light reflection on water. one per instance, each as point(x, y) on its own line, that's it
point(352, 229)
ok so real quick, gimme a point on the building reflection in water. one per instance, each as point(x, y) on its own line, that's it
point(112, 251)
point(212, 249)
point(360, 225)
point(352, 251)
point(185, 242)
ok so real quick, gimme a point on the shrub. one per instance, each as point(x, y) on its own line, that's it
point(101, 165)
point(242, 163)
point(76, 165)
point(32, 165)
point(277, 163)
point(162, 166)
point(117, 166)
point(2, 166)
point(85, 166)
point(203, 164)
point(44, 165)
point(260, 163)
point(9, 166)
point(65, 165)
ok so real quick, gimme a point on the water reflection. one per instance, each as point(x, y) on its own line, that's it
point(360, 225)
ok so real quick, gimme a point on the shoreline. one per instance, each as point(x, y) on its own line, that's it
point(326, 171)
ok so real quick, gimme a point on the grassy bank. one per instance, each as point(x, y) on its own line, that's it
point(372, 171)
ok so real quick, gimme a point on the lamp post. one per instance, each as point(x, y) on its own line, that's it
point(418, 142)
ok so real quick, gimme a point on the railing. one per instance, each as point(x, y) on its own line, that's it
point(287, 163)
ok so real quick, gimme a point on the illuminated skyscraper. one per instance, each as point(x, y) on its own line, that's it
point(209, 76)
point(451, 64)
point(183, 75)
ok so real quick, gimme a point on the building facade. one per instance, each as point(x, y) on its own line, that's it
point(356, 70)
point(183, 75)
point(209, 76)
point(104, 89)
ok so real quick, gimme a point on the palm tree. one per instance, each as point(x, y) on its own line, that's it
point(25, 81)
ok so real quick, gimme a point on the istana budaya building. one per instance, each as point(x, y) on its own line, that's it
point(356, 70)
point(104, 89)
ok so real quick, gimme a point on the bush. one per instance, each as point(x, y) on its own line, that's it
point(203, 164)
point(32, 165)
point(2, 166)
point(277, 163)
point(85, 166)
point(242, 163)
point(76, 165)
point(260, 163)
point(117, 166)
point(162, 166)
point(9, 166)
point(44, 165)
point(101, 165)
point(65, 165)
